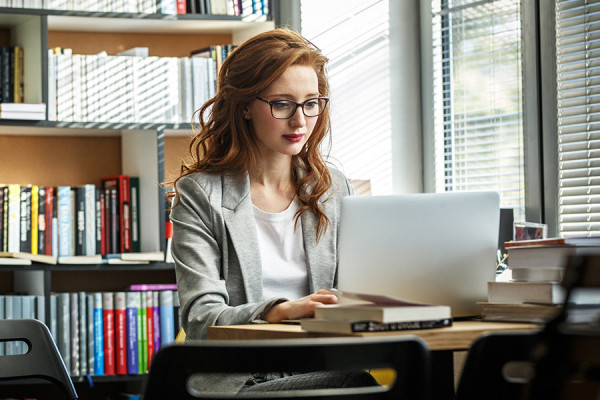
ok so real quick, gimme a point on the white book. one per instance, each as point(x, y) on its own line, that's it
point(52, 65)
point(23, 107)
point(76, 87)
point(53, 317)
point(14, 218)
point(40, 309)
point(33, 116)
point(64, 88)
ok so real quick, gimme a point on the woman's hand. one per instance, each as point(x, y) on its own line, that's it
point(301, 308)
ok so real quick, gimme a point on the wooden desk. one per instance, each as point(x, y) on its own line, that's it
point(459, 336)
point(443, 342)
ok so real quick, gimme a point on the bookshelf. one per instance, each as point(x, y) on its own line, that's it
point(54, 153)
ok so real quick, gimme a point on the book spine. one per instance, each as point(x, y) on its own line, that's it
point(14, 218)
point(132, 343)
point(98, 335)
point(120, 334)
point(99, 221)
point(156, 319)
point(144, 355)
point(41, 222)
point(149, 327)
point(34, 216)
point(53, 317)
point(90, 333)
point(108, 313)
point(40, 309)
point(134, 183)
point(152, 286)
point(90, 220)
point(167, 319)
point(83, 334)
point(2, 307)
point(64, 328)
point(74, 321)
point(8, 314)
point(64, 221)
point(49, 218)
point(80, 242)
point(4, 221)
point(25, 230)
point(125, 210)
point(140, 323)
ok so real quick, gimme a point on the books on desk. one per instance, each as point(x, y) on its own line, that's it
point(379, 314)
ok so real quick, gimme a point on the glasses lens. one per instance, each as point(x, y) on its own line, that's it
point(283, 108)
point(314, 107)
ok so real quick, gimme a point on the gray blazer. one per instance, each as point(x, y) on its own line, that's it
point(215, 248)
point(217, 259)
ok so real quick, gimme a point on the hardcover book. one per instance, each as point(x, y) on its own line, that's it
point(108, 313)
point(132, 306)
point(120, 334)
point(349, 327)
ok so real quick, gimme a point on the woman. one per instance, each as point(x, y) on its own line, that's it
point(255, 215)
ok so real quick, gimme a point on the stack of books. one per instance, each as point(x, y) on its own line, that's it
point(534, 292)
point(376, 316)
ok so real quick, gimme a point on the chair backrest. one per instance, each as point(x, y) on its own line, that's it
point(42, 358)
point(498, 366)
point(560, 362)
point(408, 355)
point(567, 357)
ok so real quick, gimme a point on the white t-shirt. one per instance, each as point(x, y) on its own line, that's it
point(282, 253)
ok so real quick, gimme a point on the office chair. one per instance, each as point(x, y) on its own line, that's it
point(407, 355)
point(42, 359)
point(567, 355)
point(561, 361)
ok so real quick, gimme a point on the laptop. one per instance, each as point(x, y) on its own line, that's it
point(435, 248)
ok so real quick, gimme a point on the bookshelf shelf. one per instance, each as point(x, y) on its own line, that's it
point(73, 153)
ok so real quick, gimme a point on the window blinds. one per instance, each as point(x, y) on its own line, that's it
point(477, 96)
point(578, 97)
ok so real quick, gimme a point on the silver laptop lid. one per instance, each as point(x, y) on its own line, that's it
point(436, 248)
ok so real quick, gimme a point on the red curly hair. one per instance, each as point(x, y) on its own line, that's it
point(225, 142)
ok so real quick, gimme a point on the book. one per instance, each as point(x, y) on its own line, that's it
point(132, 305)
point(407, 312)
point(49, 208)
point(140, 256)
point(41, 258)
point(167, 317)
point(34, 116)
point(34, 216)
point(90, 333)
point(83, 334)
point(538, 292)
point(338, 326)
point(143, 339)
point(134, 183)
point(574, 241)
point(156, 319)
point(538, 256)
point(41, 221)
point(108, 322)
point(518, 312)
point(149, 327)
point(64, 327)
point(120, 334)
point(25, 220)
point(14, 218)
point(80, 221)
point(64, 220)
point(98, 335)
point(75, 260)
point(23, 107)
point(74, 321)
point(120, 212)
point(536, 274)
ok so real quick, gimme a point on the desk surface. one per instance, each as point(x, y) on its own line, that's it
point(459, 336)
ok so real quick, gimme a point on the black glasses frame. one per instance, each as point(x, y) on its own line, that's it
point(270, 103)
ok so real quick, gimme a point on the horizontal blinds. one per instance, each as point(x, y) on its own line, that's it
point(478, 98)
point(578, 96)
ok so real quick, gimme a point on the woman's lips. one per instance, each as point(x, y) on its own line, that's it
point(295, 138)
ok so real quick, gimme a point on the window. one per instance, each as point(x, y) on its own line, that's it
point(578, 106)
point(354, 35)
point(477, 98)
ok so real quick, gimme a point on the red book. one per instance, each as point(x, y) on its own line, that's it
point(120, 210)
point(120, 333)
point(181, 7)
point(49, 215)
point(149, 325)
point(108, 314)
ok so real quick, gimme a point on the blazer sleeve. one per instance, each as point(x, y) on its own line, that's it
point(197, 248)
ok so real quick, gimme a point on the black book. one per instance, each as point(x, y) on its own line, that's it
point(42, 223)
point(80, 221)
point(25, 227)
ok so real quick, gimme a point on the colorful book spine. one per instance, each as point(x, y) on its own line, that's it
point(120, 334)
point(144, 356)
point(98, 335)
point(132, 306)
point(49, 208)
point(140, 323)
point(167, 318)
point(14, 218)
point(149, 326)
point(25, 227)
point(34, 216)
point(134, 183)
point(108, 313)
point(156, 319)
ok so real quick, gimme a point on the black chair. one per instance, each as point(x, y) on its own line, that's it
point(560, 362)
point(408, 355)
point(42, 358)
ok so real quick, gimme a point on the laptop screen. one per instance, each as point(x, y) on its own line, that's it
point(435, 248)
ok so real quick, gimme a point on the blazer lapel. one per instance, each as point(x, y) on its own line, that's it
point(239, 219)
point(321, 256)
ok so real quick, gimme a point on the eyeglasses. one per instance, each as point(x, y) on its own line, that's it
point(284, 109)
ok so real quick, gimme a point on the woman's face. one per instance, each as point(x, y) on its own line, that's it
point(284, 136)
